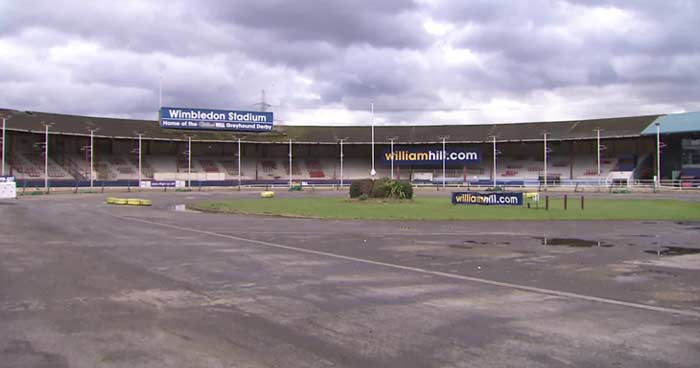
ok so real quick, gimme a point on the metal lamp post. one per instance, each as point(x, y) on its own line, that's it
point(495, 153)
point(658, 154)
point(140, 153)
point(444, 152)
point(545, 159)
point(598, 149)
point(92, 155)
point(4, 143)
point(341, 160)
point(290, 163)
point(372, 172)
point(239, 163)
point(46, 155)
point(189, 161)
point(392, 139)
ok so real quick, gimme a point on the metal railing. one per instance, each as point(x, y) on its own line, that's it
point(35, 184)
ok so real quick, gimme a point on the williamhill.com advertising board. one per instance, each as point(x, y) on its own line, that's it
point(487, 199)
point(427, 155)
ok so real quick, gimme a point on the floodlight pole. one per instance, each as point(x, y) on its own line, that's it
point(46, 158)
point(140, 135)
point(658, 154)
point(444, 152)
point(290, 163)
point(494, 161)
point(392, 139)
point(239, 163)
point(545, 160)
point(92, 151)
point(46, 155)
point(341, 160)
point(598, 150)
point(189, 161)
point(372, 172)
point(598, 153)
point(4, 143)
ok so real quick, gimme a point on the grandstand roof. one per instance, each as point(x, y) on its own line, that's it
point(623, 127)
point(675, 123)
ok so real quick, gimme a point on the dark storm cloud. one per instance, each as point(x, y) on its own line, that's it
point(386, 23)
point(347, 54)
point(536, 46)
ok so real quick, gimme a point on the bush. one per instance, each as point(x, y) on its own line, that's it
point(355, 191)
point(360, 187)
point(400, 190)
point(406, 190)
point(362, 197)
point(381, 188)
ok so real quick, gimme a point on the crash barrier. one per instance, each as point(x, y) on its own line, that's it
point(128, 201)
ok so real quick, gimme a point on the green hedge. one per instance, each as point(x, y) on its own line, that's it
point(381, 188)
point(360, 187)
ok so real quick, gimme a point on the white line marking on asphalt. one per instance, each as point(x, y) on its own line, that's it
point(687, 313)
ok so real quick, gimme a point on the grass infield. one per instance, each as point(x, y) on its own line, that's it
point(442, 209)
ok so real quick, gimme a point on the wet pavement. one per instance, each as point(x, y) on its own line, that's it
point(84, 284)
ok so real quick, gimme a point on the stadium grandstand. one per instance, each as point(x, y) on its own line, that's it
point(620, 151)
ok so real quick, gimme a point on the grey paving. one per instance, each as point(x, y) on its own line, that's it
point(83, 284)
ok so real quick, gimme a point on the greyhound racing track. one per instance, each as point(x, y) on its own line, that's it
point(84, 284)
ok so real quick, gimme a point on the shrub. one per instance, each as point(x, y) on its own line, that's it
point(362, 197)
point(406, 189)
point(355, 190)
point(400, 190)
point(360, 187)
point(380, 188)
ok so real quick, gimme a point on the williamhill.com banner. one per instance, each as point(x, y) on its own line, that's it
point(488, 199)
point(422, 155)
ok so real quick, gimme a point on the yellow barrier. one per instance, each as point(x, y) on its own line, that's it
point(133, 202)
point(129, 201)
point(120, 201)
point(267, 194)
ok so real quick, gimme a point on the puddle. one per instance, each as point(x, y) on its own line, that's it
point(476, 242)
point(460, 246)
point(429, 256)
point(673, 251)
point(573, 243)
point(631, 278)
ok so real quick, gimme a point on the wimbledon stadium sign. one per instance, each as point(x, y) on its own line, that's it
point(207, 119)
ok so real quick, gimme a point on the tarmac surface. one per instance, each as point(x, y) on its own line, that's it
point(85, 284)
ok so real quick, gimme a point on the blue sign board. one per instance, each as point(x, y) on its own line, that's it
point(7, 179)
point(488, 199)
point(208, 119)
point(163, 184)
point(431, 155)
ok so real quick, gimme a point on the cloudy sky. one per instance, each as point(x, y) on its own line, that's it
point(325, 62)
